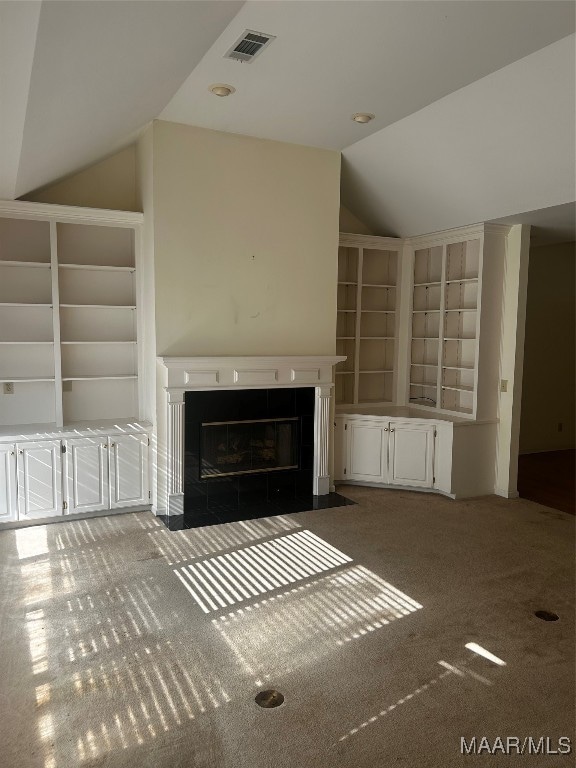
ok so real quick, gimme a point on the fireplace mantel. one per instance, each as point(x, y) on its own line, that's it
point(178, 375)
point(195, 373)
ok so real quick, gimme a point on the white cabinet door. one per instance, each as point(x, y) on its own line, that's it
point(86, 474)
point(411, 454)
point(7, 483)
point(39, 479)
point(367, 454)
point(128, 470)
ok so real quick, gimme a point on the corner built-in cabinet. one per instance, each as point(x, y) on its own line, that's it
point(429, 327)
point(69, 333)
point(366, 321)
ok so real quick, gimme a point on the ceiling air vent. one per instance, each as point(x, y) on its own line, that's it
point(249, 46)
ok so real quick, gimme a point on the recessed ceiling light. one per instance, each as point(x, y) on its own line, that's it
point(362, 117)
point(221, 89)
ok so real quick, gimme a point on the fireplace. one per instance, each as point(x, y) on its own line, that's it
point(242, 427)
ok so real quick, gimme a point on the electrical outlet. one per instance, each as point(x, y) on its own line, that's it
point(8, 387)
point(504, 385)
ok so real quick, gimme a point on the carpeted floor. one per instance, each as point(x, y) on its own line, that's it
point(125, 644)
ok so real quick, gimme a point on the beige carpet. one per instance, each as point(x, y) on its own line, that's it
point(123, 644)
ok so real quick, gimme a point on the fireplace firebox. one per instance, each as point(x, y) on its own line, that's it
point(232, 448)
point(247, 449)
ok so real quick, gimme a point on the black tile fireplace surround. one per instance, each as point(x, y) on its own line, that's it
point(213, 492)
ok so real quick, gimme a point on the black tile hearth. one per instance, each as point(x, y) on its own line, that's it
point(229, 510)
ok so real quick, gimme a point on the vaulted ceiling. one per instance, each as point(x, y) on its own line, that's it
point(474, 100)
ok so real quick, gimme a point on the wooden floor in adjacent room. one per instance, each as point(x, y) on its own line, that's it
point(549, 479)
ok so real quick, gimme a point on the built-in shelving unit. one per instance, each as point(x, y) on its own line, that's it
point(68, 315)
point(445, 326)
point(366, 322)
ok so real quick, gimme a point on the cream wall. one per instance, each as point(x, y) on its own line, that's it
point(511, 359)
point(351, 223)
point(549, 352)
point(110, 184)
point(245, 242)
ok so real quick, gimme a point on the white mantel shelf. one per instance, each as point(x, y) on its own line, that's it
point(179, 375)
point(198, 373)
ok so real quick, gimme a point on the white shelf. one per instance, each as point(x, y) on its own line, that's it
point(95, 342)
point(20, 379)
point(346, 282)
point(463, 309)
point(378, 370)
point(458, 388)
point(97, 267)
point(346, 310)
point(424, 338)
point(99, 306)
point(26, 342)
point(424, 365)
point(458, 367)
point(378, 338)
point(38, 264)
point(459, 338)
point(379, 311)
point(377, 285)
point(425, 311)
point(463, 280)
point(22, 304)
point(417, 285)
point(345, 338)
point(100, 378)
point(344, 373)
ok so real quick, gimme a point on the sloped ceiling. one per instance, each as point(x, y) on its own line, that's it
point(501, 146)
point(473, 100)
point(98, 72)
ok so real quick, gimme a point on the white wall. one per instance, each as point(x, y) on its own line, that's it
point(549, 351)
point(246, 243)
point(351, 223)
point(511, 359)
point(110, 183)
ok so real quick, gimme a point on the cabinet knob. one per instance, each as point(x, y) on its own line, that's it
point(392, 430)
point(20, 451)
point(112, 445)
point(12, 453)
point(385, 429)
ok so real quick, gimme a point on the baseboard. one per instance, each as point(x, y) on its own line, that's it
point(11, 524)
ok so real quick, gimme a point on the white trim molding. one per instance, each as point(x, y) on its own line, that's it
point(192, 374)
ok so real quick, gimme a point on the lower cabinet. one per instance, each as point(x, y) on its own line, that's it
point(39, 479)
point(106, 472)
point(411, 454)
point(128, 471)
point(47, 478)
point(8, 492)
point(386, 452)
point(86, 474)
